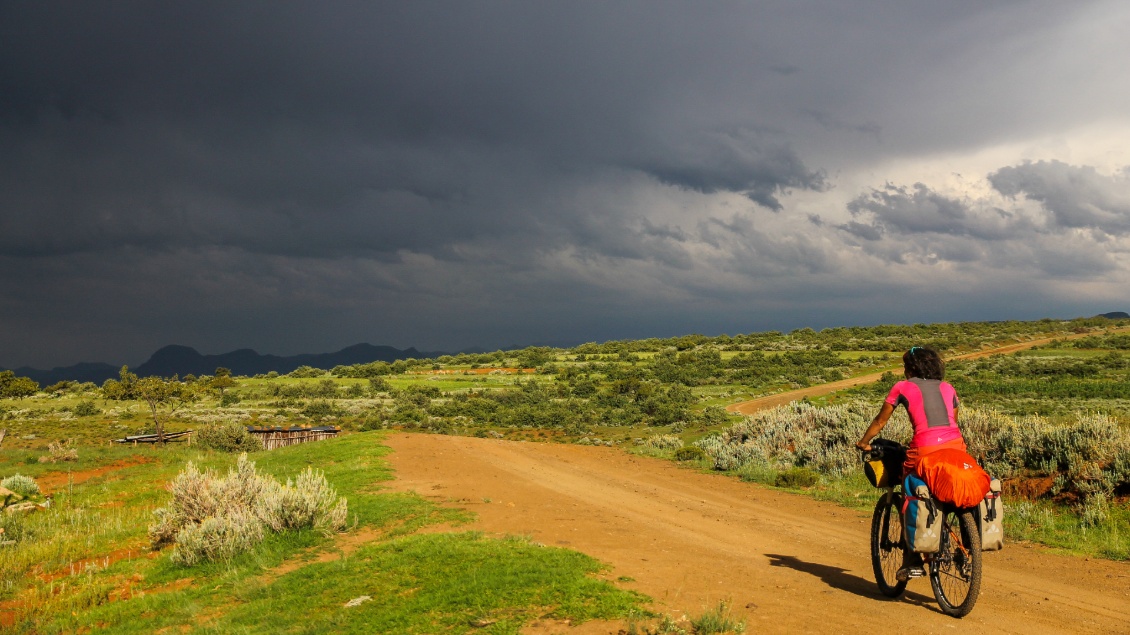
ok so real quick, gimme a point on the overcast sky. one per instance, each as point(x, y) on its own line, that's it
point(298, 177)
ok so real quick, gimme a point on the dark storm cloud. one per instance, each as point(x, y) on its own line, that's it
point(1073, 196)
point(297, 176)
point(917, 209)
point(737, 163)
point(369, 128)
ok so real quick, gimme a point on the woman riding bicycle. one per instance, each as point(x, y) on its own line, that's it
point(932, 405)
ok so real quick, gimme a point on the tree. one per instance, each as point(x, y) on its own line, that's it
point(12, 386)
point(534, 356)
point(122, 388)
point(222, 380)
point(156, 391)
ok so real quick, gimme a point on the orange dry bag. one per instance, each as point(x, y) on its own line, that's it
point(954, 477)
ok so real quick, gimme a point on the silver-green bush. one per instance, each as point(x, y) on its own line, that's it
point(795, 435)
point(23, 485)
point(308, 501)
point(1088, 455)
point(218, 538)
point(1095, 510)
point(663, 442)
point(212, 517)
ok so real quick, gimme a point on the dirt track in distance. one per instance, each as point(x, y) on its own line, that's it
point(786, 563)
point(782, 398)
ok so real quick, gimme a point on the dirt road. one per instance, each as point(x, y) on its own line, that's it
point(780, 399)
point(786, 563)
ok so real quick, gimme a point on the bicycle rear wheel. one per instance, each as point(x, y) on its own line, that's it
point(955, 571)
point(887, 545)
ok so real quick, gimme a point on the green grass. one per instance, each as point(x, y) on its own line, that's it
point(1048, 524)
point(71, 569)
point(429, 583)
point(459, 582)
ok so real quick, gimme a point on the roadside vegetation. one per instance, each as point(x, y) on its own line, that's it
point(1052, 421)
point(87, 561)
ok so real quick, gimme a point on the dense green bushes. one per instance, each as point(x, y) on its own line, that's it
point(1045, 383)
point(12, 386)
point(1118, 342)
point(229, 436)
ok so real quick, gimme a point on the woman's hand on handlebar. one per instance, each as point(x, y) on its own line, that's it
point(863, 445)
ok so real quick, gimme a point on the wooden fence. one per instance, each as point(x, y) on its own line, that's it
point(278, 437)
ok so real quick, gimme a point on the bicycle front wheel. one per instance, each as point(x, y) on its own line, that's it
point(955, 571)
point(887, 546)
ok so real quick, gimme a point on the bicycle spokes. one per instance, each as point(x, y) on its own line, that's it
point(955, 572)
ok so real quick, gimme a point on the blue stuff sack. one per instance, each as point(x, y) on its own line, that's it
point(921, 517)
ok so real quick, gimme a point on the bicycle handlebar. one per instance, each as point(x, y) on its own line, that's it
point(879, 448)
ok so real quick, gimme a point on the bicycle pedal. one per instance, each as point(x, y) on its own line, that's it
point(908, 573)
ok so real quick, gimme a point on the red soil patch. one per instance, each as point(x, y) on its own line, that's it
point(78, 567)
point(8, 612)
point(124, 588)
point(126, 592)
point(1028, 488)
point(54, 481)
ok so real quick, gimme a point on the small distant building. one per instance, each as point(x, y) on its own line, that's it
point(276, 436)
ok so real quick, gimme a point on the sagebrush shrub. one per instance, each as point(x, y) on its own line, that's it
point(212, 517)
point(663, 442)
point(1089, 456)
point(217, 538)
point(795, 435)
point(1095, 510)
point(227, 436)
point(718, 620)
point(309, 501)
point(61, 451)
point(23, 485)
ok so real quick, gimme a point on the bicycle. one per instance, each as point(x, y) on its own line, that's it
point(954, 570)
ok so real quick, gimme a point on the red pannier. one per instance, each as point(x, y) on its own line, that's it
point(954, 477)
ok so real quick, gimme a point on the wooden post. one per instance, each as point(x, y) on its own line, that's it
point(3, 433)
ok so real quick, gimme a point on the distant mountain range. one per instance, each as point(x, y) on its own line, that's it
point(183, 360)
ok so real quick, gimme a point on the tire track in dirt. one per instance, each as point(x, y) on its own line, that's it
point(688, 540)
